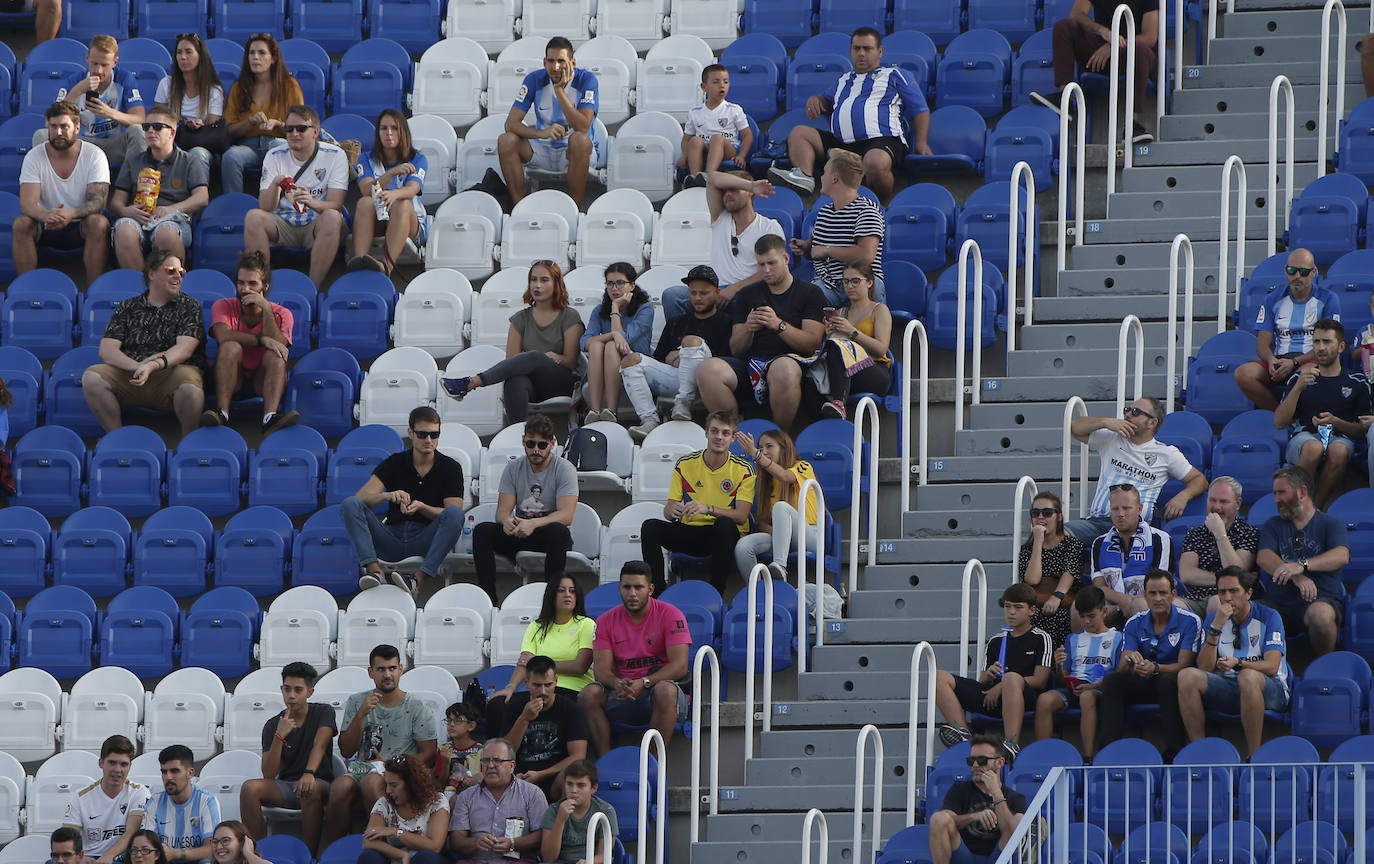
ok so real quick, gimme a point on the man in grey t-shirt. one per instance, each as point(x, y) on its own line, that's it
point(538, 497)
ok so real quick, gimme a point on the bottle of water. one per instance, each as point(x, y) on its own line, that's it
point(383, 214)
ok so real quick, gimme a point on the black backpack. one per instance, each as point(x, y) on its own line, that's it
point(586, 450)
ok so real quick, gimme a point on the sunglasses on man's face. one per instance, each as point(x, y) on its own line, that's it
point(1132, 411)
point(531, 444)
point(155, 127)
point(431, 434)
point(300, 128)
point(980, 761)
point(1298, 271)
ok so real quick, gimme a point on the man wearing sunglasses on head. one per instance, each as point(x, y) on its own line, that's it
point(425, 491)
point(1283, 331)
point(978, 815)
point(183, 190)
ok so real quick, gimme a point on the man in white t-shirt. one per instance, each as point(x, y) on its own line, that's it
point(310, 215)
point(63, 186)
point(1130, 454)
point(108, 812)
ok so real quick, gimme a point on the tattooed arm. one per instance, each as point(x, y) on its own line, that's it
point(96, 193)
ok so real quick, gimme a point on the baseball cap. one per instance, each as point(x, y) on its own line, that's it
point(702, 273)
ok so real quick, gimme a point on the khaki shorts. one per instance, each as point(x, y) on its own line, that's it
point(156, 393)
point(1199, 607)
point(294, 236)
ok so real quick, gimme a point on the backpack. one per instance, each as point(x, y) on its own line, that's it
point(586, 449)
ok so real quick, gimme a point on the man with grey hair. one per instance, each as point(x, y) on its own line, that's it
point(1224, 540)
point(482, 828)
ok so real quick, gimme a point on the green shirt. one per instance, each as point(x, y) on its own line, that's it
point(574, 846)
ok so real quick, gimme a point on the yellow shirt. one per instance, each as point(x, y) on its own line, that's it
point(722, 488)
point(803, 470)
point(866, 327)
point(561, 644)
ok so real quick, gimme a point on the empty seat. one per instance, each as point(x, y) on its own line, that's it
point(1032, 71)
point(13, 785)
point(287, 469)
point(224, 775)
point(126, 470)
point(491, 25)
point(617, 227)
point(324, 387)
point(780, 18)
point(301, 624)
point(372, 75)
point(620, 542)
point(399, 380)
point(415, 24)
point(256, 698)
point(239, 19)
point(308, 59)
point(57, 632)
point(140, 631)
point(383, 615)
point(1027, 134)
point(683, 232)
point(207, 470)
point(334, 688)
point(102, 296)
point(500, 298)
point(218, 234)
point(432, 314)
point(23, 376)
point(670, 78)
point(757, 63)
point(39, 312)
point(220, 630)
point(714, 21)
point(48, 467)
point(985, 217)
point(818, 63)
point(436, 688)
point(611, 58)
point(508, 623)
point(251, 552)
point(506, 76)
point(453, 629)
point(322, 556)
point(53, 785)
point(939, 21)
point(353, 461)
point(451, 80)
point(1328, 217)
point(434, 138)
point(464, 233)
point(336, 25)
point(658, 454)
point(356, 313)
point(974, 72)
point(31, 709)
point(920, 226)
point(543, 225)
point(25, 538)
point(91, 551)
point(542, 19)
point(42, 79)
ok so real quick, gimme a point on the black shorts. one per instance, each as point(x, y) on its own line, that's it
point(66, 239)
point(970, 692)
point(890, 144)
point(1293, 623)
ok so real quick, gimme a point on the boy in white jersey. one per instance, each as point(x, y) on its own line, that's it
point(715, 132)
point(1081, 662)
point(183, 815)
point(107, 812)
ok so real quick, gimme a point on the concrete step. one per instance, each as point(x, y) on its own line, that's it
point(1116, 281)
point(1274, 54)
point(1159, 230)
point(1173, 206)
point(1279, 23)
point(932, 601)
point(943, 549)
point(822, 686)
point(986, 495)
point(844, 713)
point(904, 630)
point(1146, 308)
point(1234, 124)
point(977, 523)
point(824, 771)
point(995, 442)
point(1255, 100)
point(1207, 178)
point(1081, 358)
point(785, 827)
point(799, 798)
point(854, 659)
point(1253, 151)
point(1053, 337)
point(1240, 73)
point(1131, 256)
point(1059, 388)
point(996, 415)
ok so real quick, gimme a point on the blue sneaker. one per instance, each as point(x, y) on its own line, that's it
point(457, 388)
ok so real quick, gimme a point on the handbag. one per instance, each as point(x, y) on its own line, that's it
point(212, 136)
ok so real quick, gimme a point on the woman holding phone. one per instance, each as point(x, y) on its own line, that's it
point(866, 323)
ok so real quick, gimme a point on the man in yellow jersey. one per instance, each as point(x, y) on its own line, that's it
point(709, 499)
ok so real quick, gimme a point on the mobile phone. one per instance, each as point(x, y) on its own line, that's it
point(829, 311)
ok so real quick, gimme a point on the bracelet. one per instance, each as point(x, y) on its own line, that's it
point(1214, 630)
point(278, 737)
point(164, 361)
point(999, 801)
point(1059, 594)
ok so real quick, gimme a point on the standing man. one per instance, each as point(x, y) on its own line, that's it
point(548, 729)
point(183, 814)
point(849, 229)
point(978, 814)
point(1131, 548)
point(565, 101)
point(111, 106)
point(183, 190)
point(1224, 540)
point(480, 827)
point(108, 811)
point(866, 112)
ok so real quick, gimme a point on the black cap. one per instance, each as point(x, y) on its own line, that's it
point(703, 273)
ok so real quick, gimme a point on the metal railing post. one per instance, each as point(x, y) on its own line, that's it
point(961, 321)
point(1020, 172)
point(1181, 242)
point(866, 408)
point(815, 817)
point(1121, 13)
point(809, 487)
point(1018, 511)
point(705, 653)
point(599, 825)
point(1072, 405)
point(652, 737)
point(973, 566)
point(1130, 325)
point(1324, 81)
point(760, 572)
point(868, 731)
point(1072, 92)
point(922, 652)
point(1233, 164)
point(1280, 82)
point(915, 328)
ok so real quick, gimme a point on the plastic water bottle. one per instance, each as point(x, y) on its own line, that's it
point(1324, 433)
point(1002, 654)
point(383, 214)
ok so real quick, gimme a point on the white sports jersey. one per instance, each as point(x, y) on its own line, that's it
point(102, 819)
point(1146, 466)
point(726, 119)
point(183, 826)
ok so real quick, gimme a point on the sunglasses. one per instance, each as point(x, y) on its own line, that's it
point(431, 434)
point(734, 245)
point(1045, 512)
point(531, 444)
point(1122, 487)
point(300, 128)
point(981, 761)
point(155, 126)
point(173, 271)
point(262, 37)
point(543, 262)
point(1299, 541)
point(1236, 639)
point(1132, 411)
point(187, 37)
point(1298, 271)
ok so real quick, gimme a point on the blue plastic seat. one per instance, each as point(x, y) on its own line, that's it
point(91, 551)
point(41, 78)
point(783, 205)
point(942, 308)
point(23, 376)
point(412, 23)
point(9, 212)
point(829, 446)
point(1330, 701)
point(139, 631)
point(775, 150)
point(345, 850)
point(57, 631)
point(286, 470)
point(957, 143)
point(915, 54)
point(975, 71)
point(907, 293)
point(843, 16)
point(1014, 19)
point(164, 20)
point(757, 63)
point(8, 624)
point(1200, 786)
point(1312, 843)
point(1032, 71)
point(8, 65)
point(356, 313)
point(1034, 762)
point(1278, 786)
point(780, 18)
point(1355, 142)
point(373, 74)
point(1027, 134)
point(322, 555)
point(147, 60)
point(324, 387)
point(16, 138)
point(332, 24)
point(1357, 631)
point(208, 286)
point(1233, 842)
point(984, 218)
point(1250, 458)
point(219, 633)
point(85, 19)
point(1126, 791)
point(911, 845)
point(25, 538)
point(602, 598)
point(1336, 782)
point(206, 471)
point(1266, 277)
point(950, 767)
point(39, 313)
point(354, 460)
point(734, 639)
point(818, 63)
point(227, 55)
point(173, 551)
point(940, 21)
point(64, 402)
point(126, 470)
point(920, 227)
point(346, 125)
point(218, 235)
point(238, 19)
point(1328, 217)
point(293, 290)
point(1181, 426)
point(1154, 843)
point(253, 550)
point(1356, 509)
point(619, 786)
point(102, 296)
point(49, 464)
point(307, 59)
point(284, 849)
point(695, 592)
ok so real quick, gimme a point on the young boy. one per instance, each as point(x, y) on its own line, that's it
point(458, 767)
point(1017, 669)
point(715, 132)
point(565, 823)
point(1082, 661)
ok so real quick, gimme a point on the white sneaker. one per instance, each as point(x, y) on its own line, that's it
point(682, 410)
point(646, 425)
point(369, 580)
point(794, 177)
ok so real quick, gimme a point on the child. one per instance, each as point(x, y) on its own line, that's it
point(1017, 669)
point(715, 132)
point(565, 823)
point(1082, 661)
point(457, 768)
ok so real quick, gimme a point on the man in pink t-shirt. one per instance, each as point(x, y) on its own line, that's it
point(253, 346)
point(638, 655)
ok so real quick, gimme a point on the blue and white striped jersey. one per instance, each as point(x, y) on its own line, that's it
point(1262, 632)
point(183, 826)
point(1090, 656)
point(871, 105)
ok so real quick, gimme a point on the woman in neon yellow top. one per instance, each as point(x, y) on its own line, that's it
point(780, 475)
point(562, 632)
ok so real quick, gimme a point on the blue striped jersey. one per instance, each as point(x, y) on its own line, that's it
point(1262, 632)
point(871, 105)
point(1122, 562)
point(183, 826)
point(1090, 656)
point(1292, 322)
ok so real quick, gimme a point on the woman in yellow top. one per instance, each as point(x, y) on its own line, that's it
point(867, 323)
point(563, 633)
point(255, 110)
point(780, 475)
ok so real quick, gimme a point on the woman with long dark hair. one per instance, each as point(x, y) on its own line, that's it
point(622, 325)
point(195, 95)
point(864, 322)
point(779, 478)
point(255, 110)
point(561, 632)
point(230, 844)
point(1050, 561)
point(409, 823)
point(398, 171)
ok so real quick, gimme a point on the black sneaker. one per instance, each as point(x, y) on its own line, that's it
point(951, 734)
point(1048, 100)
point(212, 417)
point(1140, 135)
point(1011, 748)
point(279, 420)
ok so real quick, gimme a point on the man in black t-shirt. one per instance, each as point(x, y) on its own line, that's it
point(425, 490)
point(547, 729)
point(780, 315)
point(979, 813)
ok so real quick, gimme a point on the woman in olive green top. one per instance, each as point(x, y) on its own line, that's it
point(561, 632)
point(541, 348)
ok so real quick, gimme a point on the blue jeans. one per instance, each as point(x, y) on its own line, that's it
point(371, 537)
point(239, 158)
point(1223, 694)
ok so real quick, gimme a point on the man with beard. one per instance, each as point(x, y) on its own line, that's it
point(547, 729)
point(978, 814)
point(63, 186)
point(182, 814)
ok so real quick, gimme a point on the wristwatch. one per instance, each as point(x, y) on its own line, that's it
point(1303, 563)
point(782, 325)
point(648, 685)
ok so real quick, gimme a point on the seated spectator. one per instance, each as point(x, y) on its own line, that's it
point(1131, 548)
point(483, 828)
point(307, 211)
point(979, 814)
point(1050, 561)
point(1131, 454)
point(457, 766)
point(1241, 667)
point(1283, 331)
point(254, 336)
point(391, 176)
point(47, 19)
point(864, 323)
point(712, 514)
point(146, 847)
point(561, 631)
point(297, 758)
point(182, 813)
point(1224, 540)
point(548, 729)
point(541, 348)
point(565, 101)
point(63, 187)
point(255, 111)
point(567, 823)
point(65, 846)
point(1083, 39)
point(848, 230)
point(1362, 346)
point(110, 103)
point(1324, 404)
point(182, 182)
point(777, 489)
point(1304, 552)
point(778, 316)
point(425, 490)
point(639, 656)
point(410, 822)
point(107, 813)
point(1155, 645)
point(1017, 669)
point(621, 326)
point(194, 94)
point(716, 132)
point(1082, 662)
point(866, 110)
point(153, 351)
point(378, 725)
point(685, 343)
point(233, 845)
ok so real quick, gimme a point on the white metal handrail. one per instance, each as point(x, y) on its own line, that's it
point(815, 817)
point(705, 653)
point(1162, 65)
point(809, 487)
point(1130, 325)
point(1072, 92)
point(1324, 81)
point(1234, 164)
point(866, 408)
point(922, 652)
point(600, 825)
point(1056, 788)
point(1122, 13)
point(1018, 511)
point(915, 328)
point(652, 737)
point(759, 573)
point(973, 566)
point(875, 834)
point(1183, 244)
point(1020, 172)
point(1280, 83)
point(961, 321)
point(1074, 404)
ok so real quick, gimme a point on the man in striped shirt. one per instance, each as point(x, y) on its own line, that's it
point(183, 814)
point(1125, 554)
point(848, 229)
point(866, 113)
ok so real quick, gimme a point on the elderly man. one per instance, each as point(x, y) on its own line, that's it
point(480, 829)
point(183, 190)
point(1224, 540)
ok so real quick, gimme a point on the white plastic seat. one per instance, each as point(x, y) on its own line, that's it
point(586, 286)
point(620, 543)
point(490, 22)
point(657, 455)
point(53, 784)
point(713, 21)
point(546, 18)
point(451, 81)
point(460, 559)
point(542, 225)
point(482, 410)
point(617, 227)
point(335, 688)
point(464, 233)
point(146, 770)
point(435, 137)
point(654, 282)
point(26, 849)
point(13, 788)
point(670, 79)
point(507, 72)
point(398, 381)
point(447, 281)
point(186, 707)
point(508, 623)
point(459, 441)
point(644, 153)
point(477, 151)
point(432, 313)
point(453, 630)
point(635, 20)
point(585, 555)
point(435, 687)
point(299, 625)
point(684, 230)
point(256, 699)
point(505, 447)
point(223, 776)
point(106, 701)
point(500, 298)
point(384, 615)
point(612, 59)
point(30, 710)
